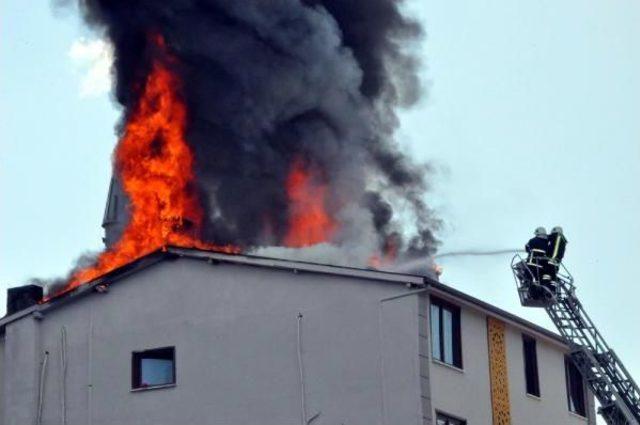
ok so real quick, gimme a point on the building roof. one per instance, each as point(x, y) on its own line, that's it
point(419, 282)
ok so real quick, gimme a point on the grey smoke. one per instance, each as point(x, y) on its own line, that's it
point(56, 284)
point(266, 82)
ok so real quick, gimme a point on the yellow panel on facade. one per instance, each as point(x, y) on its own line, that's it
point(498, 372)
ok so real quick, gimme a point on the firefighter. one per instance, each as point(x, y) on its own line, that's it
point(537, 248)
point(557, 246)
point(555, 251)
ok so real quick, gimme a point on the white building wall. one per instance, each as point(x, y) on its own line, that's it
point(466, 393)
point(21, 365)
point(235, 333)
point(551, 406)
point(366, 351)
point(2, 380)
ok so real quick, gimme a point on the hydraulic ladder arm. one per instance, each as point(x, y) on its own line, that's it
point(602, 369)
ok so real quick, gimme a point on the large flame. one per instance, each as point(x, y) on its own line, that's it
point(388, 254)
point(309, 221)
point(155, 166)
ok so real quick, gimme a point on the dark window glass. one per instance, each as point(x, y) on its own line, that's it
point(442, 419)
point(531, 365)
point(446, 344)
point(151, 368)
point(575, 388)
point(436, 347)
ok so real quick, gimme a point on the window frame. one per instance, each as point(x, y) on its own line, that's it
point(449, 418)
point(571, 372)
point(456, 332)
point(531, 371)
point(136, 368)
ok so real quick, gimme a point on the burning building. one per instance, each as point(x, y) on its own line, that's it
point(253, 129)
point(198, 337)
point(262, 128)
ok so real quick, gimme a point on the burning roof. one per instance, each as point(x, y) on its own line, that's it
point(412, 283)
point(253, 124)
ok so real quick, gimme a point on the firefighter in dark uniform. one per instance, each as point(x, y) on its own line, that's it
point(537, 249)
point(555, 252)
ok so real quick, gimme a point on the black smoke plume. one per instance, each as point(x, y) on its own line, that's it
point(267, 82)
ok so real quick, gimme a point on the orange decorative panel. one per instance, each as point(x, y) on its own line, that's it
point(498, 372)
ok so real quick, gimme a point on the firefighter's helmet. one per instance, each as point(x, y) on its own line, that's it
point(541, 231)
point(557, 229)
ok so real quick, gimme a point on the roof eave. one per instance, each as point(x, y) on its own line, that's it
point(410, 280)
point(444, 291)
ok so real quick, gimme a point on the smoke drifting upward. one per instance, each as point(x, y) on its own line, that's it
point(290, 114)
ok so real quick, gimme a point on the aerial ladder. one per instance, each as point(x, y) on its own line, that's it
point(601, 368)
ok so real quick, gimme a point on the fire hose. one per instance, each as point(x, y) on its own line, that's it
point(429, 261)
point(476, 253)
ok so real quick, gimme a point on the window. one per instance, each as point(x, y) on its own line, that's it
point(446, 343)
point(153, 368)
point(442, 419)
point(531, 365)
point(575, 388)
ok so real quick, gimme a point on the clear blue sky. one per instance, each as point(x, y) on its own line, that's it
point(532, 118)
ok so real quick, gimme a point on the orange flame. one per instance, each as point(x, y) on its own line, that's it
point(388, 256)
point(155, 166)
point(309, 221)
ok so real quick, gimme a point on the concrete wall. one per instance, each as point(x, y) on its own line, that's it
point(424, 358)
point(1, 380)
point(365, 349)
point(466, 393)
point(235, 333)
point(551, 406)
point(23, 358)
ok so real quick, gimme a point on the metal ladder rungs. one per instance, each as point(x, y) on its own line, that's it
point(604, 372)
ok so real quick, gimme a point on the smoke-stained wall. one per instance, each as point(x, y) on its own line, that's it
point(269, 83)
